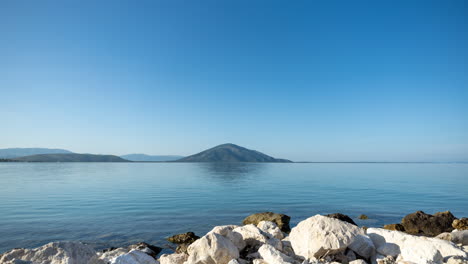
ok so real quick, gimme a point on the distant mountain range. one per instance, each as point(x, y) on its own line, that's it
point(10, 153)
point(144, 157)
point(230, 153)
point(73, 157)
point(222, 153)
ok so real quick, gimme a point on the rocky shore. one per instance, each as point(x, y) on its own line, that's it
point(266, 238)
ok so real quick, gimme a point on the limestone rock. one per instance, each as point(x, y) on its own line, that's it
point(281, 220)
point(227, 232)
point(251, 235)
point(363, 246)
point(151, 250)
point(273, 256)
point(212, 249)
point(413, 248)
point(457, 237)
point(460, 224)
point(53, 253)
point(320, 235)
point(395, 227)
point(342, 217)
point(430, 225)
point(358, 261)
point(173, 258)
point(134, 257)
point(270, 229)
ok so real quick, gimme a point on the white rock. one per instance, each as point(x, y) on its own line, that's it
point(112, 254)
point(227, 232)
point(271, 229)
point(458, 237)
point(389, 249)
point(53, 253)
point(173, 258)
point(212, 249)
point(413, 248)
point(456, 260)
point(251, 235)
point(358, 261)
point(134, 257)
point(276, 243)
point(363, 246)
point(273, 256)
point(320, 235)
point(233, 261)
point(259, 261)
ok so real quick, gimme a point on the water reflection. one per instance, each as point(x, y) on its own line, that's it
point(231, 171)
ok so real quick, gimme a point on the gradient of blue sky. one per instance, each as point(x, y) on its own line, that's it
point(305, 80)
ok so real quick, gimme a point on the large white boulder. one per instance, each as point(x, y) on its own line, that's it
point(134, 257)
point(457, 237)
point(271, 229)
point(273, 256)
point(320, 235)
point(173, 258)
point(212, 248)
point(413, 248)
point(54, 253)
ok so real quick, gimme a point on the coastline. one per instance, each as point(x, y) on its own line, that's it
point(267, 238)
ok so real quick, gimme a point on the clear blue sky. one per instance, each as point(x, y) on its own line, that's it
point(304, 80)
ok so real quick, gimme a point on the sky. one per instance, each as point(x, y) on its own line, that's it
point(303, 80)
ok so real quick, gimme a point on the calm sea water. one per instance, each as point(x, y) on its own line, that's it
point(114, 204)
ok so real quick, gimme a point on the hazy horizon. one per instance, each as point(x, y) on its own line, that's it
point(307, 81)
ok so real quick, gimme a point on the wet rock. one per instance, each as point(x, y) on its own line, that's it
point(185, 238)
point(460, 224)
point(212, 249)
point(342, 217)
point(176, 258)
point(421, 223)
point(54, 253)
point(281, 220)
point(395, 227)
point(320, 235)
point(182, 248)
point(151, 250)
point(363, 217)
point(413, 248)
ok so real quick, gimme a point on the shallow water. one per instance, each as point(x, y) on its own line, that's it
point(114, 204)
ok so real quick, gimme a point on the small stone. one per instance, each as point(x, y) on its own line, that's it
point(363, 217)
point(185, 238)
point(281, 220)
point(460, 224)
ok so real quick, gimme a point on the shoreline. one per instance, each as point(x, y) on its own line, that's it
point(267, 238)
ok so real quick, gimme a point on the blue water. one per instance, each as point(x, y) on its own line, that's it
point(114, 204)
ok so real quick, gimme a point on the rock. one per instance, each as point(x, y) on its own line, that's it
point(151, 250)
point(457, 237)
point(281, 220)
point(173, 258)
point(363, 217)
point(185, 238)
point(227, 232)
point(358, 261)
point(212, 249)
point(379, 259)
point(456, 260)
point(273, 256)
point(413, 248)
point(54, 253)
point(259, 261)
point(320, 235)
point(251, 235)
point(395, 227)
point(233, 261)
point(363, 246)
point(430, 225)
point(182, 248)
point(460, 224)
point(109, 254)
point(350, 255)
point(342, 217)
point(134, 257)
point(271, 229)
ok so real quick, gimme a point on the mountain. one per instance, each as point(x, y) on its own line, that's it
point(144, 157)
point(71, 158)
point(230, 153)
point(21, 152)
